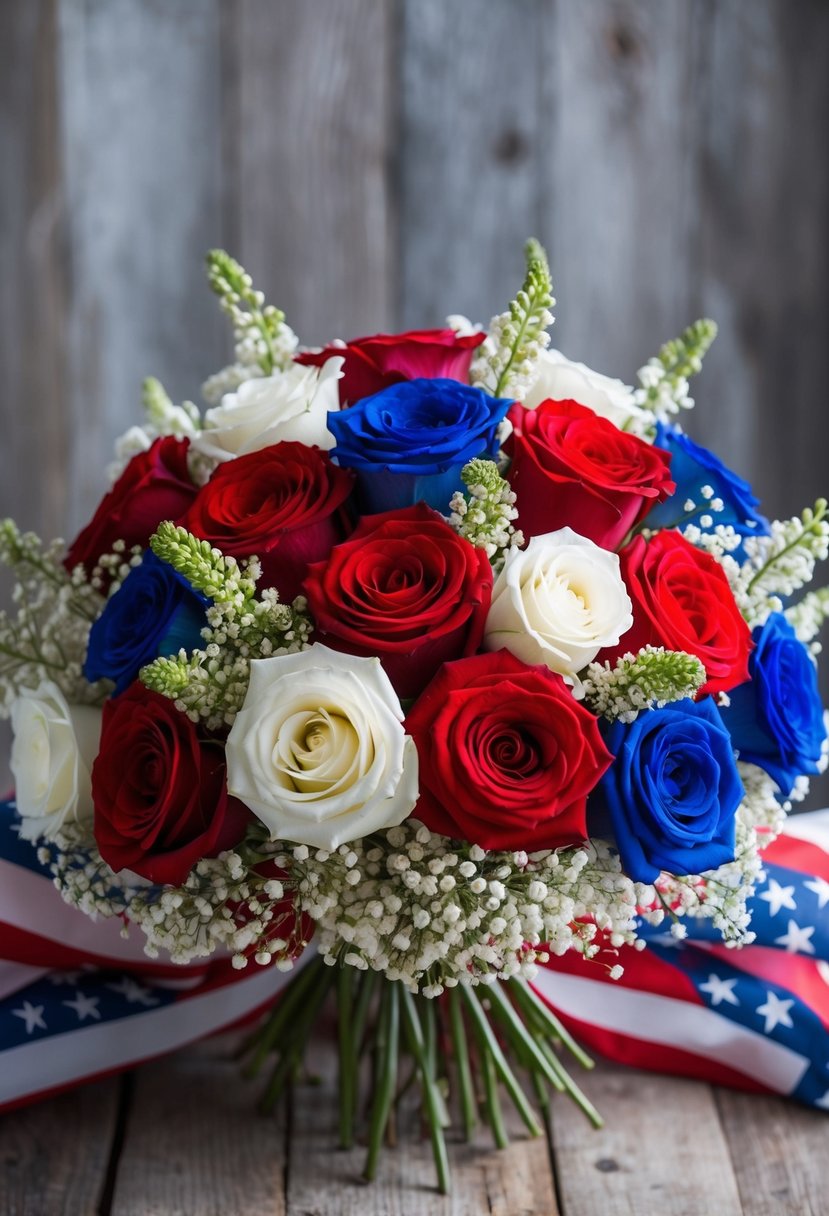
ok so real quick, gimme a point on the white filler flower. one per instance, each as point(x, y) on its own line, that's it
point(318, 751)
point(291, 405)
point(52, 753)
point(559, 379)
point(558, 602)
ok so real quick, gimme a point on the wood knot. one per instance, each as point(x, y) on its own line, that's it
point(623, 43)
point(607, 1165)
point(511, 146)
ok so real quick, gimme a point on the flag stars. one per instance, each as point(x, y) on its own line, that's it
point(720, 990)
point(776, 1012)
point(796, 938)
point(32, 1015)
point(84, 1006)
point(823, 1102)
point(133, 993)
point(778, 897)
point(821, 889)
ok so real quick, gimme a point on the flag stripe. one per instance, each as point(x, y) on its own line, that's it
point(50, 1063)
point(664, 1021)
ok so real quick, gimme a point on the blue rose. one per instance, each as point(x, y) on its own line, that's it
point(692, 467)
point(409, 442)
point(154, 612)
point(673, 790)
point(776, 719)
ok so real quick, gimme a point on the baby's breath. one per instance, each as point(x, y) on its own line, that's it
point(505, 363)
point(211, 683)
point(264, 343)
point(485, 514)
point(647, 680)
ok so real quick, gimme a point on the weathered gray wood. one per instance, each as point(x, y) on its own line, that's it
point(195, 1142)
point(662, 1149)
point(471, 146)
point(141, 151)
point(763, 202)
point(54, 1156)
point(620, 107)
point(33, 471)
point(311, 185)
point(514, 1182)
point(779, 1154)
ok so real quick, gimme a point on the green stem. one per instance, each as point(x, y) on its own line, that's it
point(297, 1038)
point(293, 995)
point(414, 1035)
point(492, 1049)
point(348, 1056)
point(581, 1100)
point(368, 983)
point(534, 1007)
point(387, 1053)
point(468, 1103)
point(431, 1043)
point(493, 1103)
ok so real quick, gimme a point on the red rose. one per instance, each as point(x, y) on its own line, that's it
point(283, 504)
point(507, 755)
point(372, 364)
point(571, 467)
point(682, 601)
point(406, 587)
point(155, 486)
point(159, 791)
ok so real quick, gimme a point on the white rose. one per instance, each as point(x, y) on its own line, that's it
point(318, 751)
point(52, 753)
point(558, 602)
point(561, 380)
point(267, 409)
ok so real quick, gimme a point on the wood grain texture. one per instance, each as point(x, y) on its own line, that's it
point(195, 1143)
point(313, 211)
point(779, 1154)
point(662, 1149)
point(762, 260)
point(53, 1156)
point(515, 1182)
point(33, 472)
point(618, 174)
point(470, 150)
point(141, 141)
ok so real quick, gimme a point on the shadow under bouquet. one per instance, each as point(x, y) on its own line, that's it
point(411, 666)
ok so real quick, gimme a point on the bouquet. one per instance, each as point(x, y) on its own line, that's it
point(411, 665)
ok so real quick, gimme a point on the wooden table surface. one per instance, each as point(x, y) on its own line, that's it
point(180, 1137)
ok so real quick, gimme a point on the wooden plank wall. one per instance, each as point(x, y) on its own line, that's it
point(379, 163)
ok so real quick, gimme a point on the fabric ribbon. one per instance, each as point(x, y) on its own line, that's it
point(79, 1001)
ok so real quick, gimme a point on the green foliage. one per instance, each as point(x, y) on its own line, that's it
point(664, 379)
point(163, 416)
point(46, 637)
point(650, 679)
point(211, 683)
point(485, 514)
point(517, 336)
point(257, 326)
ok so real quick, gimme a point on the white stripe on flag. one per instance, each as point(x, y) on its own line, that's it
point(48, 1063)
point(674, 1023)
point(813, 828)
point(14, 976)
point(30, 902)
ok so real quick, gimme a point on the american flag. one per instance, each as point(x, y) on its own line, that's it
point(78, 1001)
point(755, 1018)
